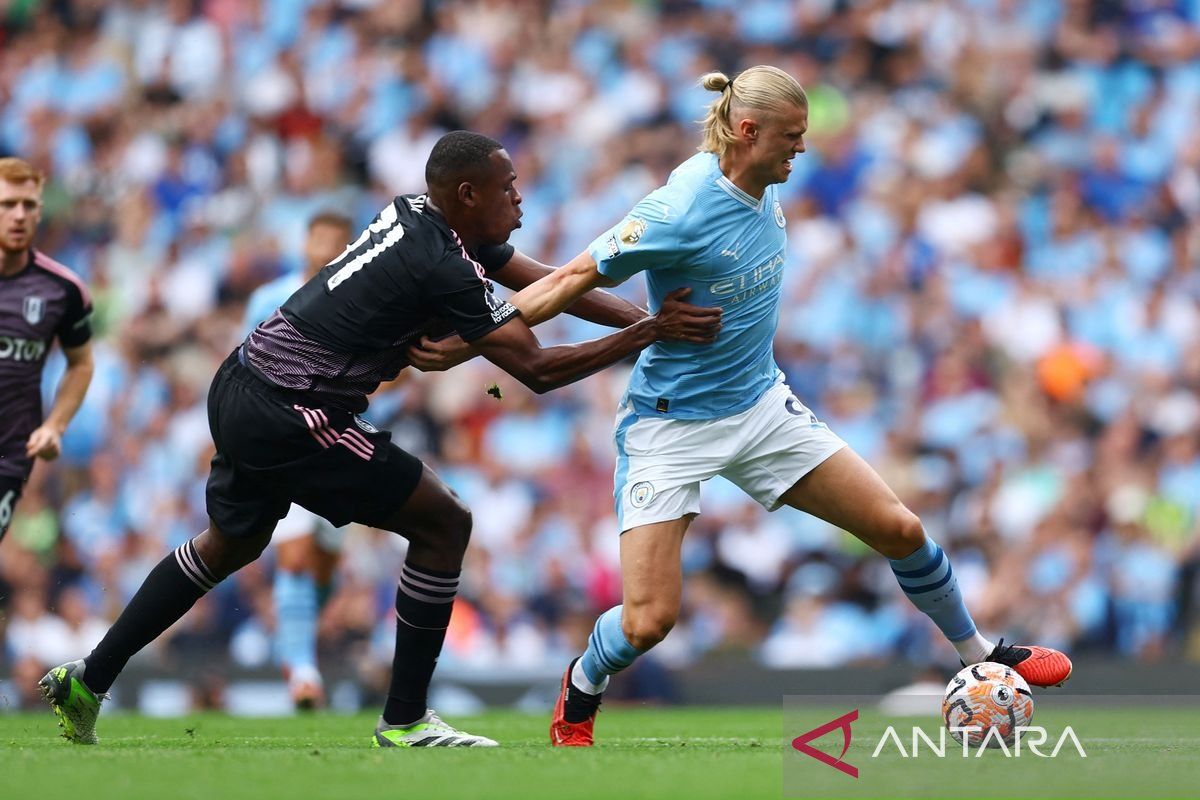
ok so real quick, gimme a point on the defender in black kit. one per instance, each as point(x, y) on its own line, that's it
point(283, 412)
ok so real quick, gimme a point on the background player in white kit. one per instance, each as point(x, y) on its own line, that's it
point(690, 413)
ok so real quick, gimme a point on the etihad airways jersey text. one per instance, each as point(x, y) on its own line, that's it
point(703, 232)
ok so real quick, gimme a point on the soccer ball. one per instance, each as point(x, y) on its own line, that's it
point(987, 696)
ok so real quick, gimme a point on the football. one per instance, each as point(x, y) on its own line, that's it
point(987, 696)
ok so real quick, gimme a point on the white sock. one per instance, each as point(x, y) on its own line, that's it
point(580, 681)
point(973, 649)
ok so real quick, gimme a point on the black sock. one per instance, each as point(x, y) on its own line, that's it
point(424, 600)
point(168, 592)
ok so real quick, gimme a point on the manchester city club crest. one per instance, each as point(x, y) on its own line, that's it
point(779, 220)
point(34, 309)
point(641, 494)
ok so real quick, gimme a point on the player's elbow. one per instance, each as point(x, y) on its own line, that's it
point(80, 359)
point(548, 377)
point(539, 369)
point(530, 373)
point(82, 370)
point(540, 382)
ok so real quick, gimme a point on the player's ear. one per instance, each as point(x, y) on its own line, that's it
point(467, 195)
point(748, 129)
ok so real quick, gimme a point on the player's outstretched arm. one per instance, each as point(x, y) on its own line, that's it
point(575, 286)
point(515, 349)
point(559, 289)
point(595, 305)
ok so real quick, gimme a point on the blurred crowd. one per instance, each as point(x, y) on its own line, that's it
point(992, 294)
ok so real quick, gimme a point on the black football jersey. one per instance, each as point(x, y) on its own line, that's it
point(41, 303)
point(345, 331)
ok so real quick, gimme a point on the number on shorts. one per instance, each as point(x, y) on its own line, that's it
point(795, 408)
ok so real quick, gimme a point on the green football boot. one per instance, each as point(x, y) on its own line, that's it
point(428, 731)
point(75, 705)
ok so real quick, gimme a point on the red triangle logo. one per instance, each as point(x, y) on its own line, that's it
point(801, 743)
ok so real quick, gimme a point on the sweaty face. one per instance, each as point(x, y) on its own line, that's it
point(499, 202)
point(780, 139)
point(20, 212)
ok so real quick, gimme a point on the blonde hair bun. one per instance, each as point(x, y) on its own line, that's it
point(715, 81)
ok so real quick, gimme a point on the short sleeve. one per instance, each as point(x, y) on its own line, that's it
point(494, 256)
point(75, 327)
point(647, 238)
point(465, 298)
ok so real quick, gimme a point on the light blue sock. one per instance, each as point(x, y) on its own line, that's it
point(295, 619)
point(927, 579)
point(608, 651)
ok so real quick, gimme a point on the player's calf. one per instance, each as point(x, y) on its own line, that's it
point(424, 602)
point(169, 592)
point(928, 580)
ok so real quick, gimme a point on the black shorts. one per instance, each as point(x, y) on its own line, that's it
point(10, 492)
point(275, 447)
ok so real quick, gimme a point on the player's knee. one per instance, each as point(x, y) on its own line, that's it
point(449, 532)
point(224, 555)
point(457, 533)
point(647, 627)
point(245, 551)
point(906, 535)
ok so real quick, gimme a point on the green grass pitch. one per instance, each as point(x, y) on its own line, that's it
point(644, 753)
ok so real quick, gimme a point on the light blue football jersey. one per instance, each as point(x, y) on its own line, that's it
point(268, 297)
point(702, 231)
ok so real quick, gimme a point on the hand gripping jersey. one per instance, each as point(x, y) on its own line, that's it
point(346, 331)
point(702, 231)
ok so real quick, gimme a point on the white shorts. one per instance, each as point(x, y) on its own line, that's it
point(302, 522)
point(763, 450)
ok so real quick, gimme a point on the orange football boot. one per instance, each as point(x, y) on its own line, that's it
point(1039, 666)
point(582, 706)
